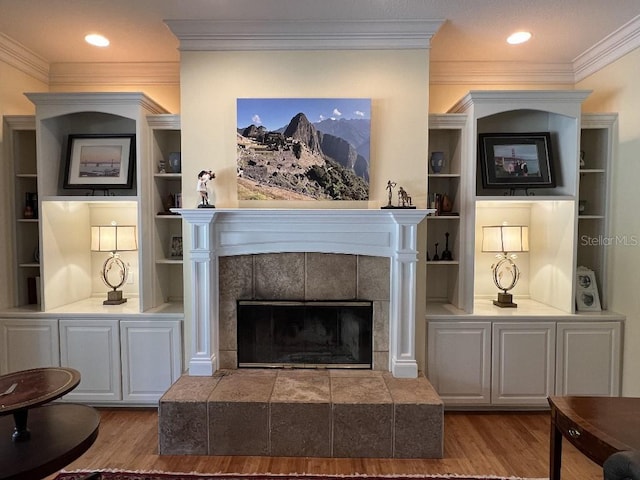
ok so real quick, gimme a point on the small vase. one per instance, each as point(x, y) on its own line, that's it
point(436, 161)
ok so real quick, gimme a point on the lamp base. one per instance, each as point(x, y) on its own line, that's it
point(114, 297)
point(505, 300)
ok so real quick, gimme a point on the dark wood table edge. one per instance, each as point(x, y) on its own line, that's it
point(556, 436)
point(64, 459)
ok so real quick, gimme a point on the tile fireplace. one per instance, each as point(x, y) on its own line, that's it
point(217, 234)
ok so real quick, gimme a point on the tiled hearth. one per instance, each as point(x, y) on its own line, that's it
point(317, 413)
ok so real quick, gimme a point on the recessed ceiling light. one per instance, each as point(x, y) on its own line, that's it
point(96, 40)
point(518, 37)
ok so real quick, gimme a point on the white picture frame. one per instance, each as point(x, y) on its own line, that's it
point(587, 296)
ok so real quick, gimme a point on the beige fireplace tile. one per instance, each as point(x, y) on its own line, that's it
point(419, 431)
point(227, 323)
point(244, 386)
point(279, 276)
point(301, 429)
point(182, 416)
point(381, 361)
point(362, 430)
point(238, 428)
point(330, 276)
point(418, 417)
point(373, 278)
point(380, 326)
point(412, 390)
point(369, 389)
point(353, 373)
point(235, 277)
point(307, 386)
point(239, 413)
point(228, 359)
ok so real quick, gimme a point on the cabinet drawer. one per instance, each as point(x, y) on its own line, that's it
point(583, 440)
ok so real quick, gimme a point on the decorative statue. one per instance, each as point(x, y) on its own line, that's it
point(390, 186)
point(203, 178)
point(404, 200)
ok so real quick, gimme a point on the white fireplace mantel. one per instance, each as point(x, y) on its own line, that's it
point(219, 232)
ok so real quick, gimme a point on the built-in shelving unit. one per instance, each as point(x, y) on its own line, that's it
point(446, 135)
point(129, 353)
point(598, 132)
point(20, 150)
point(481, 354)
point(166, 194)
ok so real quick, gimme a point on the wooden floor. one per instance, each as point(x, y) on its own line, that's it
point(502, 444)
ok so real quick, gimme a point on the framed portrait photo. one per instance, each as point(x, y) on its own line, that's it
point(175, 247)
point(100, 161)
point(516, 160)
point(587, 297)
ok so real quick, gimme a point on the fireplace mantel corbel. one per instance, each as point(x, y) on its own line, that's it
point(388, 233)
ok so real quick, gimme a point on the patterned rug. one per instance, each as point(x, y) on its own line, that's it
point(126, 475)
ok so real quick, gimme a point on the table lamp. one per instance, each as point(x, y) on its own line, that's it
point(114, 238)
point(505, 241)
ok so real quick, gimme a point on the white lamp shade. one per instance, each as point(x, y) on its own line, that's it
point(505, 238)
point(113, 238)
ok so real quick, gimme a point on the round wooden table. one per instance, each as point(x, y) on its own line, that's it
point(60, 433)
point(26, 389)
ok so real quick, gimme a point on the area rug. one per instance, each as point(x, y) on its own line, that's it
point(129, 475)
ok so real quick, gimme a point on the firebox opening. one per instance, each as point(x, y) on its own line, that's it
point(305, 334)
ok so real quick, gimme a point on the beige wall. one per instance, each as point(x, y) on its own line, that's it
point(396, 81)
point(615, 89)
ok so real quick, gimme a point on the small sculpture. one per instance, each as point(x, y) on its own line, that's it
point(203, 178)
point(390, 186)
point(404, 200)
point(436, 257)
point(446, 254)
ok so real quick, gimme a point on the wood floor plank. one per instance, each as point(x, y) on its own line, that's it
point(501, 444)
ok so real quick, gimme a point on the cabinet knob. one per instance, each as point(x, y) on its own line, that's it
point(573, 433)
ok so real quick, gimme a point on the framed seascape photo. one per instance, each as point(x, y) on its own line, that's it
point(175, 247)
point(587, 297)
point(100, 162)
point(516, 160)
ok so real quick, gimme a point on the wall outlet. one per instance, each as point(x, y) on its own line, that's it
point(130, 278)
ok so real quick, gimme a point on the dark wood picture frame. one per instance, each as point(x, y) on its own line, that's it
point(100, 162)
point(516, 160)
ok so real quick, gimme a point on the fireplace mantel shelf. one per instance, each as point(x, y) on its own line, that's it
point(217, 232)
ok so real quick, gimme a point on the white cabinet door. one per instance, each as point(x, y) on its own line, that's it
point(93, 348)
point(459, 361)
point(151, 358)
point(588, 358)
point(28, 343)
point(523, 363)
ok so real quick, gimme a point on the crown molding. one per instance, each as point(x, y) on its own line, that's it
point(111, 74)
point(608, 50)
point(500, 73)
point(18, 56)
point(216, 35)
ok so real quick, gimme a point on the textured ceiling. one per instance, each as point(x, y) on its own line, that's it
point(474, 30)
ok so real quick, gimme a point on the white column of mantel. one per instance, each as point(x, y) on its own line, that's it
point(204, 292)
point(402, 321)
